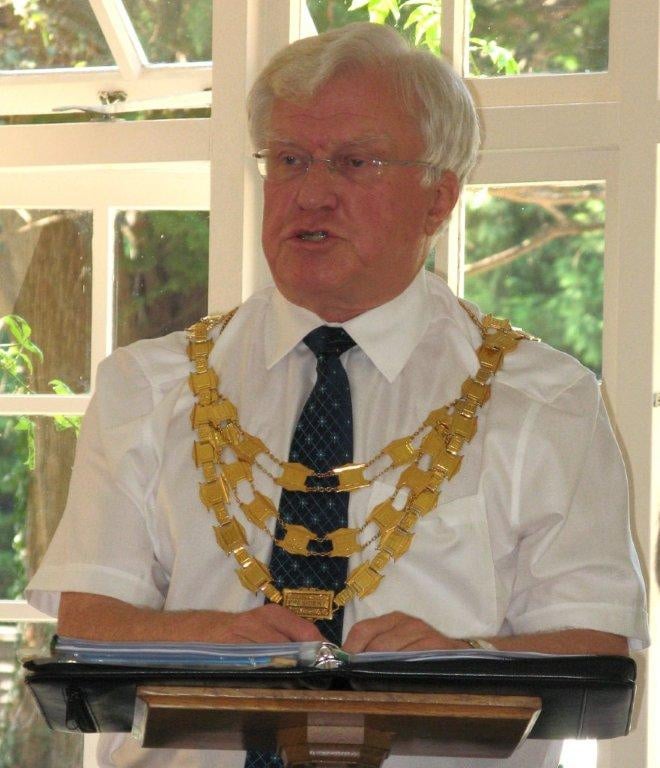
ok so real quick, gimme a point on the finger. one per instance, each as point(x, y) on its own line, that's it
point(362, 635)
point(282, 625)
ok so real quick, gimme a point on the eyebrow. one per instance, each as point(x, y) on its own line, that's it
point(357, 142)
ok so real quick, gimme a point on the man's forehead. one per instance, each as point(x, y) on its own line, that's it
point(358, 140)
point(342, 111)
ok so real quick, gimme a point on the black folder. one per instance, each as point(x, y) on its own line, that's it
point(583, 696)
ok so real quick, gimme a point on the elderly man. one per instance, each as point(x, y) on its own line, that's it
point(523, 544)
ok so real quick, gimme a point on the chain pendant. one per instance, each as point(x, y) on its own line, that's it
point(311, 604)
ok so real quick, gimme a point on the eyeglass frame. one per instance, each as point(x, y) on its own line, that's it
point(331, 163)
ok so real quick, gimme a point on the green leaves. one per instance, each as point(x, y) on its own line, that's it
point(425, 20)
point(18, 353)
point(17, 350)
point(379, 10)
point(502, 59)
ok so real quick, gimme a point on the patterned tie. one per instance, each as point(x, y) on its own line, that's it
point(323, 438)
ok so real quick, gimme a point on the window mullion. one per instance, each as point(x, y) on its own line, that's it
point(120, 36)
point(454, 38)
point(102, 287)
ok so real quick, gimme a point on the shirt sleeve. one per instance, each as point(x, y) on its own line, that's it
point(102, 544)
point(576, 563)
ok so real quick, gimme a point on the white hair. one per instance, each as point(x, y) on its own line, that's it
point(430, 91)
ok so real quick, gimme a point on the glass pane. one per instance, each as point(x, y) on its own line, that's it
point(36, 456)
point(172, 31)
point(511, 37)
point(25, 739)
point(161, 267)
point(45, 300)
point(534, 255)
point(45, 34)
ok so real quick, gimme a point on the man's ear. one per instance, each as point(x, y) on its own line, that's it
point(446, 191)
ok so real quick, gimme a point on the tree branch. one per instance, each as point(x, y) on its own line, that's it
point(545, 235)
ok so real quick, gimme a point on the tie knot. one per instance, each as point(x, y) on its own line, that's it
point(326, 341)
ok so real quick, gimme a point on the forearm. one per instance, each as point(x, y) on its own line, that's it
point(565, 641)
point(96, 617)
point(398, 631)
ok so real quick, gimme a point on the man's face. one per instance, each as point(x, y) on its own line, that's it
point(335, 246)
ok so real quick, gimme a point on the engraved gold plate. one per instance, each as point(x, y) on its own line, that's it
point(222, 411)
point(199, 415)
point(502, 340)
point(202, 453)
point(199, 348)
point(296, 539)
point(231, 536)
point(344, 542)
point(425, 501)
point(259, 510)
point(253, 574)
point(205, 380)
point(248, 447)
point(418, 480)
point(293, 476)
point(231, 434)
point(385, 515)
point(396, 542)
point(400, 451)
point(446, 462)
point(310, 604)
point(464, 426)
point(214, 492)
point(351, 477)
point(237, 471)
point(380, 560)
point(432, 442)
point(475, 391)
point(490, 357)
point(438, 417)
point(364, 580)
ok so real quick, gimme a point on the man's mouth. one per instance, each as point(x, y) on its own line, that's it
point(313, 235)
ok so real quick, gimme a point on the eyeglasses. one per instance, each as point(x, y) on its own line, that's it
point(288, 164)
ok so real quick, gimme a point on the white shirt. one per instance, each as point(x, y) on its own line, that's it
point(531, 535)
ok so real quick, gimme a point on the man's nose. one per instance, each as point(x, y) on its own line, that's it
point(318, 187)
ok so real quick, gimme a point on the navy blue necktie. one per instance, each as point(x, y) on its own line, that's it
point(322, 439)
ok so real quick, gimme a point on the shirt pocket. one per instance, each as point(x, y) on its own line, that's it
point(447, 577)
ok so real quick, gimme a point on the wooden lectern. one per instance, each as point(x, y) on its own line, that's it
point(335, 727)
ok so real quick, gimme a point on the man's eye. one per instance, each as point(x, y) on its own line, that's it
point(290, 160)
point(354, 162)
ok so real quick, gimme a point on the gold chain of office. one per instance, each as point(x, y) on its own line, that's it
point(227, 455)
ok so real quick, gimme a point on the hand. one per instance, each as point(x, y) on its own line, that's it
point(397, 632)
point(267, 624)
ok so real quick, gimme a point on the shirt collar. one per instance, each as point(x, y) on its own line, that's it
point(387, 334)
